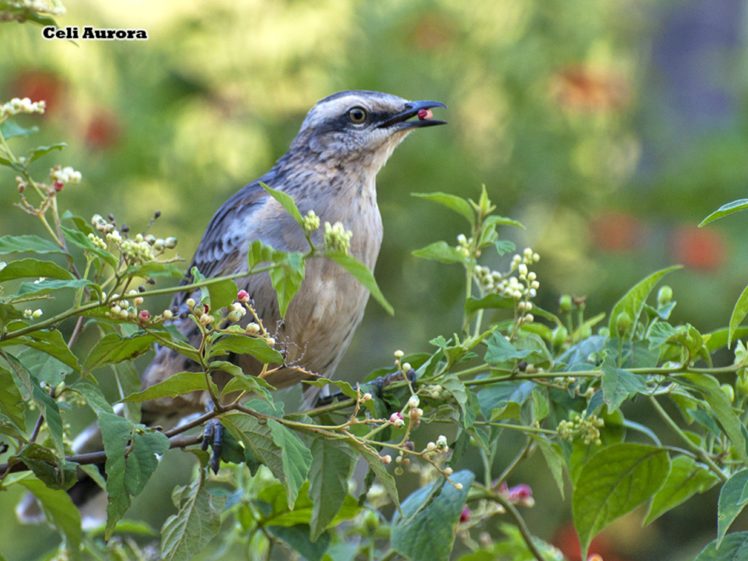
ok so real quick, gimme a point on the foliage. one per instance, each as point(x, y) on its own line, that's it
point(559, 381)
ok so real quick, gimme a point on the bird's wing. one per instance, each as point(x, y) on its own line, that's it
point(225, 239)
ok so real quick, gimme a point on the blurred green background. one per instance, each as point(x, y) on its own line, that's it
point(609, 128)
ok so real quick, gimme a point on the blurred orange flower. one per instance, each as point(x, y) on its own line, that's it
point(583, 89)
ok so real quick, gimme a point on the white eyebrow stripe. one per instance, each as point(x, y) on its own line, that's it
point(331, 108)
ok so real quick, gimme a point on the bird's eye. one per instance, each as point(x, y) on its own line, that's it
point(357, 115)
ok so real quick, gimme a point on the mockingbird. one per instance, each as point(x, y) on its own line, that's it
point(330, 168)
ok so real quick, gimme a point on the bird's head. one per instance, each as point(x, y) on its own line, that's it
point(361, 128)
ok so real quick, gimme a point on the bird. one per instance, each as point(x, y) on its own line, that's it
point(330, 168)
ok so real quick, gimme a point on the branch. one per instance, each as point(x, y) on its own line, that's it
point(99, 457)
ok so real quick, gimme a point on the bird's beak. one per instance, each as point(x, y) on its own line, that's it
point(419, 109)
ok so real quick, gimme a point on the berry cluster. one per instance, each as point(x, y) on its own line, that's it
point(337, 238)
point(519, 283)
point(142, 248)
point(20, 105)
point(586, 427)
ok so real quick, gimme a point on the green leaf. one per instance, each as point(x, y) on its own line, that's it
point(732, 501)
point(276, 496)
point(456, 388)
point(733, 548)
point(222, 294)
point(298, 538)
point(39, 151)
point(614, 481)
point(686, 478)
point(116, 432)
point(363, 275)
point(257, 440)
point(51, 342)
point(41, 287)
point(196, 523)
point(286, 201)
point(619, 385)
point(59, 509)
point(10, 129)
point(295, 456)
point(241, 382)
point(426, 527)
point(113, 348)
point(721, 408)
point(49, 466)
point(501, 351)
point(245, 345)
point(21, 376)
point(80, 239)
point(380, 470)
point(492, 301)
point(440, 251)
point(738, 315)
point(504, 399)
point(176, 384)
point(25, 268)
point(495, 220)
point(552, 454)
point(725, 210)
point(330, 469)
point(11, 403)
point(261, 253)
point(633, 301)
point(452, 202)
point(27, 244)
point(142, 460)
point(155, 269)
point(52, 418)
point(287, 279)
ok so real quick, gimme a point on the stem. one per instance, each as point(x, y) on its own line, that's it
point(100, 456)
point(515, 462)
point(521, 524)
point(92, 305)
point(535, 430)
point(703, 456)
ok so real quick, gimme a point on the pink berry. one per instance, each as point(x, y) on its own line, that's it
point(242, 296)
point(424, 114)
point(465, 515)
point(520, 492)
point(58, 185)
point(144, 315)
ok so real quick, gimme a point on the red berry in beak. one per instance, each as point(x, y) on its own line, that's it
point(425, 114)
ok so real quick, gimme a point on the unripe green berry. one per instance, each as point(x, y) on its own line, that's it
point(664, 295)
point(559, 336)
point(728, 390)
point(741, 384)
point(623, 323)
point(564, 303)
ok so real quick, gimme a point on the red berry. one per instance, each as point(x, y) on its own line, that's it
point(424, 114)
point(242, 296)
point(519, 492)
point(465, 515)
point(144, 315)
point(58, 185)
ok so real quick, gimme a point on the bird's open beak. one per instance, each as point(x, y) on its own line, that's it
point(418, 109)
